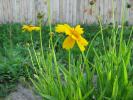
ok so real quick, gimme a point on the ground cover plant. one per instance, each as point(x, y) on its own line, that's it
point(105, 76)
point(20, 52)
point(66, 62)
point(13, 44)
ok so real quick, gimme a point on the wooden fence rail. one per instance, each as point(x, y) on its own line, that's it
point(67, 11)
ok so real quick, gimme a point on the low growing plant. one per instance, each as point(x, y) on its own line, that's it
point(105, 77)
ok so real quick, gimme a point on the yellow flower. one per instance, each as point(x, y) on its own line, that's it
point(30, 28)
point(73, 35)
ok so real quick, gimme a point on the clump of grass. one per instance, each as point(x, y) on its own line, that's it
point(106, 76)
point(13, 45)
point(112, 67)
point(75, 78)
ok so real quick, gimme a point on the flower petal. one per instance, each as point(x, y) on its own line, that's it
point(36, 28)
point(79, 30)
point(82, 43)
point(68, 43)
point(60, 28)
point(63, 28)
point(30, 28)
point(81, 47)
point(68, 27)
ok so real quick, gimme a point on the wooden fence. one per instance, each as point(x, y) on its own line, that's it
point(66, 11)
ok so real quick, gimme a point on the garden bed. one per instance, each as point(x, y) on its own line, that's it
point(16, 65)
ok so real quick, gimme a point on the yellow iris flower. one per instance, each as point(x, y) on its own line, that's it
point(30, 28)
point(73, 35)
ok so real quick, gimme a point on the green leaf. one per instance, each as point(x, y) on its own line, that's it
point(48, 97)
point(128, 58)
point(129, 95)
point(109, 75)
point(125, 75)
point(88, 93)
point(115, 88)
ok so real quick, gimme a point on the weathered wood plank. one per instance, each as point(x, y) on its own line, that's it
point(66, 11)
point(81, 12)
point(86, 11)
point(130, 20)
point(61, 10)
point(1, 11)
point(74, 13)
point(70, 11)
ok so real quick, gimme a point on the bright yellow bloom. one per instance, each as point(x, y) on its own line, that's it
point(30, 28)
point(73, 35)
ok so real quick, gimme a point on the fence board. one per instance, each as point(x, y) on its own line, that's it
point(65, 11)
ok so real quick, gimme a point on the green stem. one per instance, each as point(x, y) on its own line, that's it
point(130, 36)
point(121, 34)
point(86, 62)
point(101, 29)
point(53, 52)
point(32, 60)
point(49, 16)
point(113, 14)
point(93, 41)
point(42, 54)
point(10, 34)
point(69, 60)
point(34, 50)
point(114, 32)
